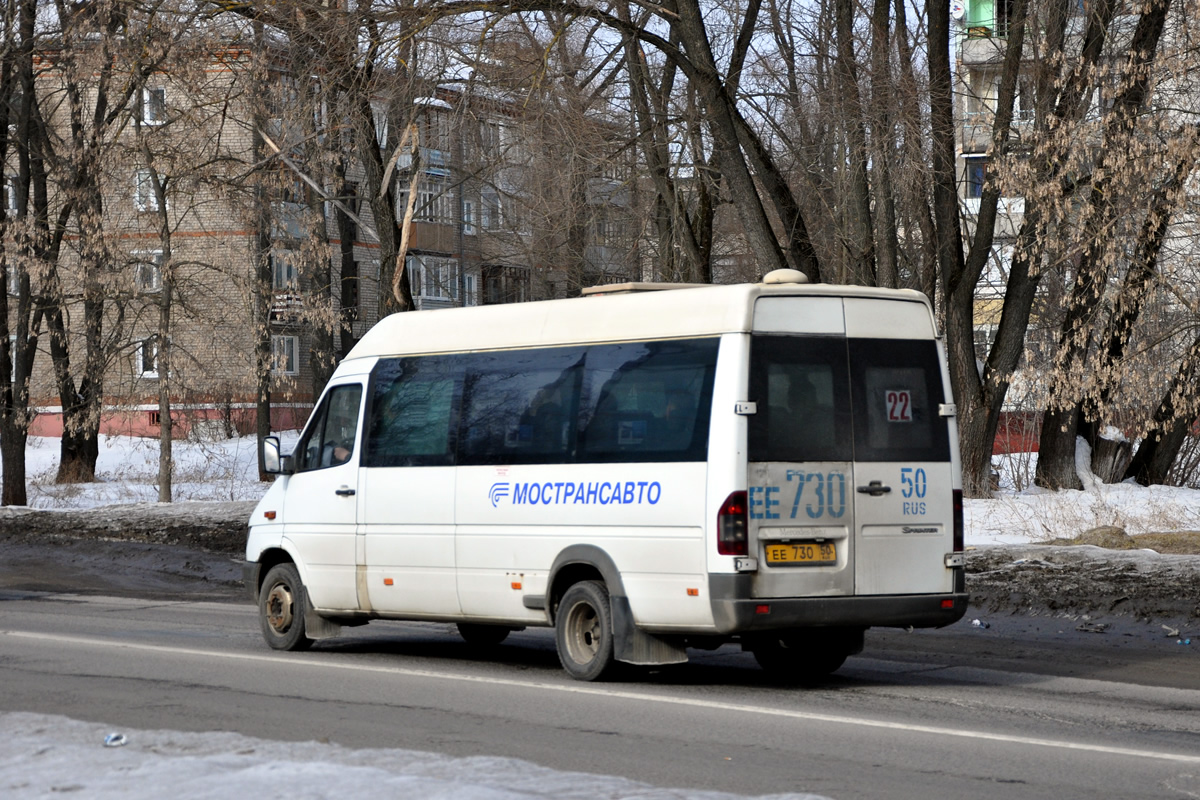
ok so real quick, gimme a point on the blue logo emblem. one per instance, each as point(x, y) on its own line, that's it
point(497, 493)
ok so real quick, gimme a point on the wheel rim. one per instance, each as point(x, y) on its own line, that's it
point(279, 608)
point(583, 633)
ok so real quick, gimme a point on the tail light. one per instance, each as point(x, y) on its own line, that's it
point(958, 521)
point(732, 528)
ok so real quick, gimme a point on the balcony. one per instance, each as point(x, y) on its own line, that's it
point(286, 307)
point(975, 50)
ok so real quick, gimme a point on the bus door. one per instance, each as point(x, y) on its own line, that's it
point(407, 523)
point(801, 474)
point(322, 502)
point(903, 487)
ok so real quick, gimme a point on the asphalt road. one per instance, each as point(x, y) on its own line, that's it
point(1026, 708)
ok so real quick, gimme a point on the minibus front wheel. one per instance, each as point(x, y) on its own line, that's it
point(281, 606)
point(583, 631)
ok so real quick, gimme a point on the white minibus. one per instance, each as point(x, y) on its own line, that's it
point(772, 464)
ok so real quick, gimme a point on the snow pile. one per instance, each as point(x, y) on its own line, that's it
point(49, 756)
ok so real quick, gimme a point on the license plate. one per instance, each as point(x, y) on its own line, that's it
point(801, 554)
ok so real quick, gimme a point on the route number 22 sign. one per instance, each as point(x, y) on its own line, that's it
point(899, 405)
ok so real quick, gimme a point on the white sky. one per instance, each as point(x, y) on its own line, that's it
point(48, 756)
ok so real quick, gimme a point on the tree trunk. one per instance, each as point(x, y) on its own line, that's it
point(724, 130)
point(261, 286)
point(1130, 299)
point(976, 448)
point(16, 70)
point(915, 191)
point(860, 227)
point(678, 250)
point(1152, 462)
point(887, 243)
point(1056, 449)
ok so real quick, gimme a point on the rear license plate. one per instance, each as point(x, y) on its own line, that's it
point(801, 554)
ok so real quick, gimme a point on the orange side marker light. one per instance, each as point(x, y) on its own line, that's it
point(693, 592)
point(388, 581)
point(269, 514)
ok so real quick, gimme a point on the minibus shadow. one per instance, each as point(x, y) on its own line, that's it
point(534, 650)
point(433, 645)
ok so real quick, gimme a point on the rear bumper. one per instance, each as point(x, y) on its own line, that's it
point(734, 611)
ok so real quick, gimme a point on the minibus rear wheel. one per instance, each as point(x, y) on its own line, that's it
point(795, 657)
point(482, 635)
point(583, 631)
point(281, 609)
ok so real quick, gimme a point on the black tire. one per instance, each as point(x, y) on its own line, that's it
point(281, 607)
point(583, 632)
point(483, 635)
point(803, 656)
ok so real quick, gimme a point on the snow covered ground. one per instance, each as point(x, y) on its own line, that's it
point(226, 470)
point(48, 756)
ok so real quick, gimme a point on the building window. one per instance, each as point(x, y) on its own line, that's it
point(433, 277)
point(350, 293)
point(469, 217)
point(1023, 105)
point(433, 199)
point(976, 176)
point(147, 272)
point(489, 213)
point(470, 290)
point(14, 279)
point(285, 276)
point(10, 195)
point(154, 106)
point(352, 204)
point(489, 140)
point(379, 116)
point(505, 284)
point(144, 198)
point(147, 357)
point(285, 355)
point(987, 18)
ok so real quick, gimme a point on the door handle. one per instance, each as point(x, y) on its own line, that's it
point(345, 491)
point(874, 488)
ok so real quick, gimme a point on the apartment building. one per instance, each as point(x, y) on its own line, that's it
point(223, 192)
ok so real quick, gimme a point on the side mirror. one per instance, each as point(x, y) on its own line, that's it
point(273, 462)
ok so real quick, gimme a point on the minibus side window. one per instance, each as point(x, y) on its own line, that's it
point(801, 386)
point(412, 414)
point(329, 440)
point(648, 401)
point(897, 387)
point(520, 407)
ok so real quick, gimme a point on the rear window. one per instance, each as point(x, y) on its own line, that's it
point(897, 388)
point(829, 398)
point(801, 386)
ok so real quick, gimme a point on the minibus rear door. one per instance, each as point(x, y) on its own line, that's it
point(903, 492)
point(800, 471)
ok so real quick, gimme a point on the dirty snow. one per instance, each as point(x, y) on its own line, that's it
point(49, 756)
